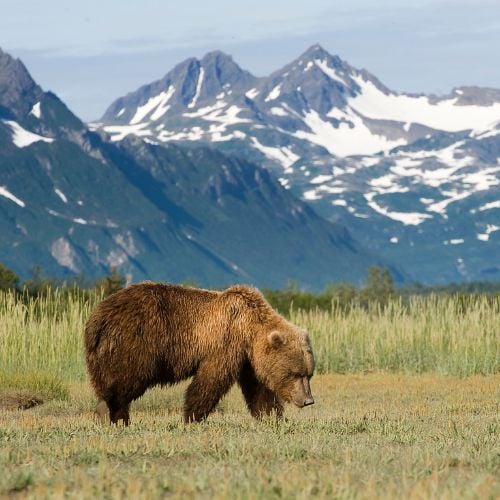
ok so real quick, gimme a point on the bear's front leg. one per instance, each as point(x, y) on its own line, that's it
point(260, 400)
point(206, 389)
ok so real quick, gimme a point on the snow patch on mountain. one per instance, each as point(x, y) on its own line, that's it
point(320, 179)
point(205, 110)
point(274, 94)
point(373, 103)
point(36, 111)
point(490, 228)
point(434, 176)
point(219, 137)
point(490, 130)
point(331, 73)
point(227, 117)
point(193, 134)
point(61, 195)
point(157, 103)
point(284, 155)
point(218, 114)
point(407, 218)
point(483, 179)
point(490, 133)
point(276, 111)
point(340, 202)
point(119, 132)
point(319, 192)
point(199, 83)
point(347, 139)
point(7, 194)
point(23, 138)
point(489, 206)
point(252, 93)
point(451, 197)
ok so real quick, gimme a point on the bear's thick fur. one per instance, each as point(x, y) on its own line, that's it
point(149, 334)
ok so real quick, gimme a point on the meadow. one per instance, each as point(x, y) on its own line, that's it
point(407, 405)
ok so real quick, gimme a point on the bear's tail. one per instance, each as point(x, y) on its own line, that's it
point(93, 333)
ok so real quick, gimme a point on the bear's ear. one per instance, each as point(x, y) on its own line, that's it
point(276, 339)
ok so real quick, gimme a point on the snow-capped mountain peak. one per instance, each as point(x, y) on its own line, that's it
point(410, 165)
point(316, 101)
point(72, 202)
point(186, 87)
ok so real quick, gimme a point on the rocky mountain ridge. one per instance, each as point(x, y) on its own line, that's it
point(415, 178)
point(74, 202)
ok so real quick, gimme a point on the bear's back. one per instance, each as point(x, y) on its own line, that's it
point(152, 311)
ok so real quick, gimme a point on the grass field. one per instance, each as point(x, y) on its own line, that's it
point(415, 414)
point(377, 435)
point(431, 335)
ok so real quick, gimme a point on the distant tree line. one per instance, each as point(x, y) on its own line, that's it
point(38, 284)
point(378, 290)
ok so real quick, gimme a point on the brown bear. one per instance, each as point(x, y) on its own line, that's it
point(149, 334)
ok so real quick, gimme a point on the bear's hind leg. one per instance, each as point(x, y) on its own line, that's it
point(206, 389)
point(121, 412)
point(260, 400)
point(118, 400)
point(114, 410)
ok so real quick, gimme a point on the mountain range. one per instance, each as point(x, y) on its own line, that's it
point(74, 199)
point(414, 178)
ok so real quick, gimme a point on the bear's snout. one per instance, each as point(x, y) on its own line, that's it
point(301, 393)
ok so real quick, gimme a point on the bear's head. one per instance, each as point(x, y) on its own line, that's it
point(284, 362)
point(280, 352)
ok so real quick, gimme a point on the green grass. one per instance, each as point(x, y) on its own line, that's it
point(44, 334)
point(431, 335)
point(414, 414)
point(45, 385)
point(367, 436)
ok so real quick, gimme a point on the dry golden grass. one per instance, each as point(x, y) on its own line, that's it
point(368, 436)
point(378, 435)
point(44, 337)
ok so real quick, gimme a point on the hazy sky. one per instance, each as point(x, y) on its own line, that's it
point(91, 52)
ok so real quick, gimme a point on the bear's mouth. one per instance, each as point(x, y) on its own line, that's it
point(304, 403)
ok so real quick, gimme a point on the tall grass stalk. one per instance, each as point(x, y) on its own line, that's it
point(44, 334)
point(430, 334)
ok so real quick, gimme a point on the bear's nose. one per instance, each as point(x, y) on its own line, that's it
point(308, 402)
